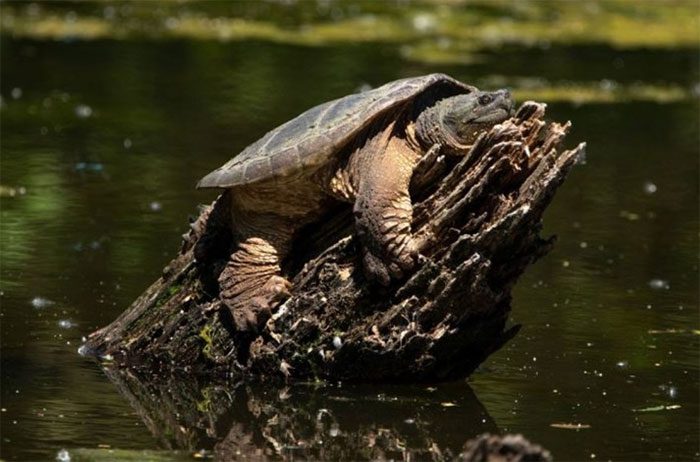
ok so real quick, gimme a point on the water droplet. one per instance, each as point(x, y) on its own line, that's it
point(63, 456)
point(658, 284)
point(41, 302)
point(65, 324)
point(334, 431)
point(83, 111)
point(649, 187)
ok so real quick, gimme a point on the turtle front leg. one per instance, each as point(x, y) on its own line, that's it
point(251, 284)
point(383, 211)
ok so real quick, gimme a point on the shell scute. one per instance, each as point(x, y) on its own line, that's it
point(257, 168)
point(280, 161)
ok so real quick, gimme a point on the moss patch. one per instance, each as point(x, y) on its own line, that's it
point(208, 349)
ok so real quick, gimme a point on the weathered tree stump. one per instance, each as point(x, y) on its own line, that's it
point(477, 220)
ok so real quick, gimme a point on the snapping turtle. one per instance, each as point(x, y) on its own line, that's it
point(361, 149)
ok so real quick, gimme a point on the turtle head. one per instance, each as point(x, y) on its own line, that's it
point(458, 120)
point(463, 116)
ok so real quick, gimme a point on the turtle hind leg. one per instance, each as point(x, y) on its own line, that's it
point(251, 285)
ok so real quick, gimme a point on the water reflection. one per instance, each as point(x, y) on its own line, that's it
point(305, 421)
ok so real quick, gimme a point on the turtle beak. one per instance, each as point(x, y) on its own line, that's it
point(506, 101)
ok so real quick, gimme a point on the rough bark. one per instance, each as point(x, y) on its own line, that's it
point(477, 220)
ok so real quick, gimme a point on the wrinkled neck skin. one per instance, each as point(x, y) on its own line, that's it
point(430, 131)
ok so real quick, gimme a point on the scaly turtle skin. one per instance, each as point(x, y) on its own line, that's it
point(362, 149)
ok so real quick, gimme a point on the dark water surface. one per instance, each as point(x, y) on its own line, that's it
point(109, 138)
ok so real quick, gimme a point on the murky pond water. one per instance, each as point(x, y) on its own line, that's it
point(104, 140)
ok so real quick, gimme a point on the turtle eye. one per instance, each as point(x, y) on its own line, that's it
point(485, 99)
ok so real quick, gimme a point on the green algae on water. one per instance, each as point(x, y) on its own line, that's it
point(431, 30)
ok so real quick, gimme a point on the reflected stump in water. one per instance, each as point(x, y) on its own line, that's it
point(477, 225)
point(238, 420)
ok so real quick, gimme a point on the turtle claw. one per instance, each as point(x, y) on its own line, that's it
point(409, 255)
point(394, 267)
point(248, 320)
point(395, 271)
point(375, 269)
point(251, 298)
point(277, 289)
